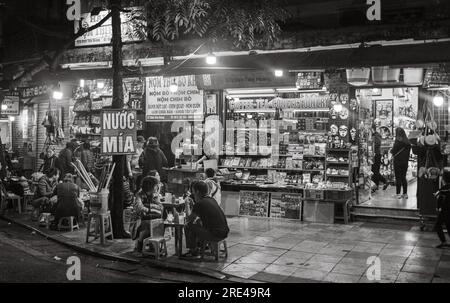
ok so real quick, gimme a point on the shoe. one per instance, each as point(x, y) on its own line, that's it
point(398, 196)
point(405, 196)
point(442, 245)
point(385, 186)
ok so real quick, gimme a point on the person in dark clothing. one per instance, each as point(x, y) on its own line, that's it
point(214, 226)
point(50, 160)
point(153, 159)
point(45, 191)
point(400, 152)
point(68, 204)
point(65, 158)
point(376, 176)
point(443, 208)
point(87, 157)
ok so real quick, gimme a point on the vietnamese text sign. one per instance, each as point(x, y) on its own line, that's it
point(118, 132)
point(164, 105)
point(103, 34)
point(12, 102)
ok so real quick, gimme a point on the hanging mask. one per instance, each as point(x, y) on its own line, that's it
point(343, 98)
point(353, 134)
point(353, 103)
point(333, 97)
point(333, 113)
point(344, 113)
point(343, 131)
point(334, 129)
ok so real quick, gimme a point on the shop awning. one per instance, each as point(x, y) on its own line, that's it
point(396, 55)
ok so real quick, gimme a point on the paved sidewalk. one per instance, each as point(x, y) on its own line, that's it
point(273, 250)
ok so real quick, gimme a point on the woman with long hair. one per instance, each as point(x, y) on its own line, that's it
point(400, 152)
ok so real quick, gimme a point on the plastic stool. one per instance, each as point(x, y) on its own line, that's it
point(99, 227)
point(215, 248)
point(15, 198)
point(71, 224)
point(159, 247)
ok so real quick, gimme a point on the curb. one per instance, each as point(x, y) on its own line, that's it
point(111, 256)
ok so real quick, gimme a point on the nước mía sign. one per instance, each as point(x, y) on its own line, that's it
point(118, 132)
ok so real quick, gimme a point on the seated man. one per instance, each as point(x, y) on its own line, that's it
point(45, 190)
point(214, 223)
point(68, 204)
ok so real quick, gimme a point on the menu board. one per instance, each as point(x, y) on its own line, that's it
point(284, 205)
point(164, 104)
point(254, 203)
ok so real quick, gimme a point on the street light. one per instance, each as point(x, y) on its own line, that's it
point(211, 59)
point(278, 73)
point(4, 107)
point(173, 87)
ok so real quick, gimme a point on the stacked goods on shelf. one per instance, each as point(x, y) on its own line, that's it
point(254, 203)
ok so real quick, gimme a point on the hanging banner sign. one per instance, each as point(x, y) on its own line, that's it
point(12, 102)
point(34, 91)
point(118, 132)
point(301, 101)
point(103, 34)
point(243, 80)
point(164, 104)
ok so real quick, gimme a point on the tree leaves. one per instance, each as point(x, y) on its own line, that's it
point(248, 23)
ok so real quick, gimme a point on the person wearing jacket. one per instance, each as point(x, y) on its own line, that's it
point(68, 204)
point(65, 158)
point(147, 206)
point(153, 158)
point(45, 191)
point(50, 160)
point(400, 152)
point(443, 208)
point(376, 176)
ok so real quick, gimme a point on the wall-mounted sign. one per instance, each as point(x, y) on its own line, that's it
point(34, 91)
point(309, 80)
point(243, 80)
point(305, 101)
point(103, 34)
point(165, 105)
point(118, 132)
point(12, 103)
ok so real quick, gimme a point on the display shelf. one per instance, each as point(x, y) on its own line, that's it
point(340, 163)
point(271, 168)
point(339, 176)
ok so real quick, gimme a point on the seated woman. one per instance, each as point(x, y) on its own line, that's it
point(68, 204)
point(147, 206)
point(45, 191)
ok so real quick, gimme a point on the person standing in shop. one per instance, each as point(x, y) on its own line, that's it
point(400, 152)
point(153, 158)
point(443, 208)
point(376, 176)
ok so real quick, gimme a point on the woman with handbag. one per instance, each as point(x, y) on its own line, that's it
point(400, 152)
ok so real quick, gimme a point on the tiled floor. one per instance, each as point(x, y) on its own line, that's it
point(274, 250)
point(386, 198)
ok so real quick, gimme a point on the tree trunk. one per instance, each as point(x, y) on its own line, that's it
point(117, 184)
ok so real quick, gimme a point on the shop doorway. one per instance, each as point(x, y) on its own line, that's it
point(386, 109)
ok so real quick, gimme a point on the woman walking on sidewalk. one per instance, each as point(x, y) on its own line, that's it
point(400, 152)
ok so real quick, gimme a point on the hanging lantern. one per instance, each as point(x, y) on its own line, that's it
point(413, 76)
point(358, 76)
point(385, 75)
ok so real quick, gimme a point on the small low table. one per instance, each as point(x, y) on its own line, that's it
point(178, 236)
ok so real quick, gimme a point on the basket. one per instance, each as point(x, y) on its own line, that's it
point(385, 75)
point(339, 194)
point(358, 76)
point(413, 76)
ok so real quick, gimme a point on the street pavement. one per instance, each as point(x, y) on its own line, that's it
point(274, 250)
point(28, 257)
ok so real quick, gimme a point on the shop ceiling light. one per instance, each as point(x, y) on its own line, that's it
point(438, 100)
point(82, 83)
point(11, 118)
point(375, 90)
point(100, 84)
point(4, 107)
point(278, 73)
point(57, 95)
point(337, 107)
point(211, 59)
